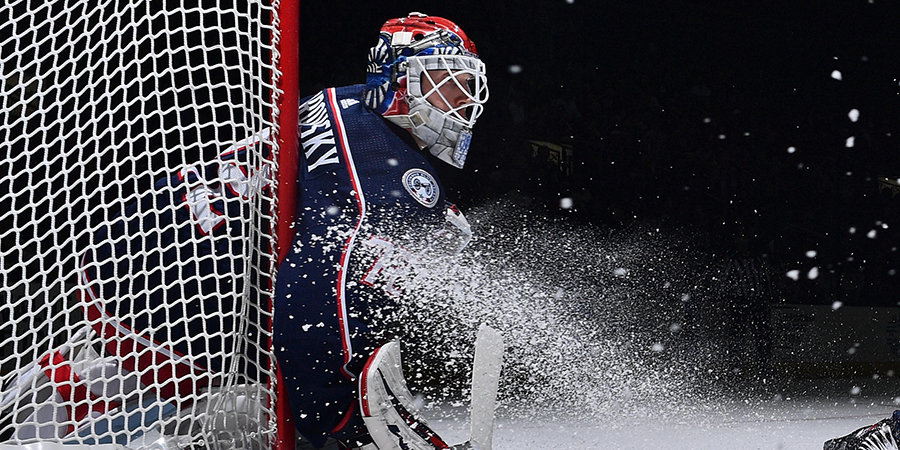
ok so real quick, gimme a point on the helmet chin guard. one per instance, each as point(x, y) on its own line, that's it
point(424, 48)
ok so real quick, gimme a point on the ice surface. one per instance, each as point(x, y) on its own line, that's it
point(804, 423)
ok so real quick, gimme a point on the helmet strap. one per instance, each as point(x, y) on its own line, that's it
point(396, 69)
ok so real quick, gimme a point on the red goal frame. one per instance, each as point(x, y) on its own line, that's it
point(285, 115)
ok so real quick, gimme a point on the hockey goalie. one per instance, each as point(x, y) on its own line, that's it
point(370, 204)
point(370, 208)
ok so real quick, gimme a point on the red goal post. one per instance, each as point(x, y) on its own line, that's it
point(134, 115)
point(287, 164)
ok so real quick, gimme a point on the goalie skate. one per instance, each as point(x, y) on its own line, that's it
point(77, 373)
point(884, 435)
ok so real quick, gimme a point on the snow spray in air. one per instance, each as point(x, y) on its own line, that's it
point(597, 322)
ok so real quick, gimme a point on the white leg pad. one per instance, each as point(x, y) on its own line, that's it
point(387, 405)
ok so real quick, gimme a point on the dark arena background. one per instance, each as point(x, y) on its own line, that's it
point(761, 139)
point(683, 211)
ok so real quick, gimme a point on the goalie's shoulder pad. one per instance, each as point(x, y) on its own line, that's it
point(387, 405)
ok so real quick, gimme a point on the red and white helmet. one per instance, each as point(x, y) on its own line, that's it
point(417, 60)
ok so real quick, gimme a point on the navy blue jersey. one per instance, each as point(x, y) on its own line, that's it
point(368, 201)
point(163, 283)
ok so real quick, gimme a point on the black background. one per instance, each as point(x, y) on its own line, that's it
point(680, 114)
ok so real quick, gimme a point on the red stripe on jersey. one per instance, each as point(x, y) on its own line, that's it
point(343, 423)
point(363, 386)
point(348, 244)
point(172, 378)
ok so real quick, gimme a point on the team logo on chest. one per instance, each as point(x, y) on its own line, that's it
point(422, 186)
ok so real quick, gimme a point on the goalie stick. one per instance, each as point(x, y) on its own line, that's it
point(386, 402)
point(485, 381)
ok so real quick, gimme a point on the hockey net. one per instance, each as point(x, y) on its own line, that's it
point(139, 185)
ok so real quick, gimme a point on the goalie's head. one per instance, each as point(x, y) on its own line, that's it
point(424, 75)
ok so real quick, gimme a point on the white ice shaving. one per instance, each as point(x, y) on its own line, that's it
point(592, 319)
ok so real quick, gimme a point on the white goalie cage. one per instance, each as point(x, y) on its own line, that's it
point(102, 102)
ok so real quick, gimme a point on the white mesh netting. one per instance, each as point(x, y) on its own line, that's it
point(135, 223)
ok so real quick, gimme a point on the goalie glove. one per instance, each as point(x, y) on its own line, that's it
point(387, 405)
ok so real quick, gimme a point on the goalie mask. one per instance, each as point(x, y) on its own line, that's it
point(424, 74)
